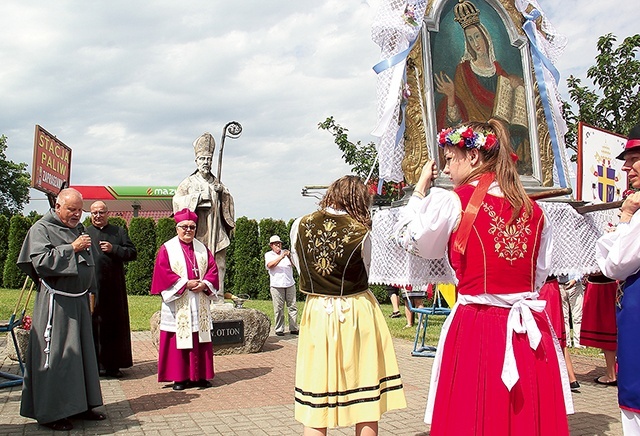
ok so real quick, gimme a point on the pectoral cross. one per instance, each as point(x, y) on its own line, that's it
point(196, 271)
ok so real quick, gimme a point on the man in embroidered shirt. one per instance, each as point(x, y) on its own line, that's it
point(186, 276)
point(618, 255)
point(61, 373)
point(282, 285)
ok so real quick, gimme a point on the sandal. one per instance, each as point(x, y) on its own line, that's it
point(606, 383)
point(407, 327)
point(395, 315)
point(60, 425)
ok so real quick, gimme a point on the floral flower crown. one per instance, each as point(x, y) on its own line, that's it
point(466, 137)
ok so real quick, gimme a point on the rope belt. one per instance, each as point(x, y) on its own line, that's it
point(47, 332)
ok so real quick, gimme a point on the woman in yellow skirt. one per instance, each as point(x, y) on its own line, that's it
point(346, 368)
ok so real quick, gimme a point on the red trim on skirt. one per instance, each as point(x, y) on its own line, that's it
point(471, 398)
point(179, 365)
point(630, 409)
point(550, 292)
point(599, 328)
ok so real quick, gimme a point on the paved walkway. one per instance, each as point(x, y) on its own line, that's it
point(253, 395)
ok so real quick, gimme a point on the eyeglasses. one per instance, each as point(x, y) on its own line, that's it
point(185, 228)
point(99, 213)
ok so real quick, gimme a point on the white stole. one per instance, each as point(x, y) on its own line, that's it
point(184, 327)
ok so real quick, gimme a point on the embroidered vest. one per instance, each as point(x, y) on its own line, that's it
point(499, 259)
point(329, 248)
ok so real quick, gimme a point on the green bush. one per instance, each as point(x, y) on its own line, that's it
point(381, 294)
point(13, 277)
point(165, 230)
point(246, 257)
point(142, 232)
point(4, 242)
point(118, 221)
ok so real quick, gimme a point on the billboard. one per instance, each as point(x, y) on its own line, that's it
point(51, 163)
point(600, 176)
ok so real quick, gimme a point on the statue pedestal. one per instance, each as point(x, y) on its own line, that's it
point(256, 327)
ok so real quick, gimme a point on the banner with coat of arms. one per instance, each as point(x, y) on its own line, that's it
point(600, 176)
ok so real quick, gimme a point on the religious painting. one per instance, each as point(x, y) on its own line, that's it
point(478, 74)
point(600, 176)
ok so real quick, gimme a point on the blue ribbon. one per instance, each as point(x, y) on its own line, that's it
point(385, 64)
point(540, 61)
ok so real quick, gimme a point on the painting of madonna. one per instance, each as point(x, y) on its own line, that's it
point(478, 74)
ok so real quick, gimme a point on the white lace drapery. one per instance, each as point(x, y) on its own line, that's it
point(574, 239)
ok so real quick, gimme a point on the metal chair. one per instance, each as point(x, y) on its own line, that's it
point(9, 326)
point(423, 313)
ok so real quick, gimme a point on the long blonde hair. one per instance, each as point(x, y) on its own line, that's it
point(499, 160)
point(350, 194)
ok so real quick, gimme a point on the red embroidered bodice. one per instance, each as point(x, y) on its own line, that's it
point(499, 259)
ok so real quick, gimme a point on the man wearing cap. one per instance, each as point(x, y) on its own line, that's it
point(282, 285)
point(203, 194)
point(186, 276)
point(618, 255)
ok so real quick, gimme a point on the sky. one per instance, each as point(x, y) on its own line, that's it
point(129, 85)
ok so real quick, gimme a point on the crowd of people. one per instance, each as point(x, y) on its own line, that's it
point(501, 367)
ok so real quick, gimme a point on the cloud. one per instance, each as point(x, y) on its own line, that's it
point(129, 86)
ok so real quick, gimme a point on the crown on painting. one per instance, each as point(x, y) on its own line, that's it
point(204, 145)
point(466, 13)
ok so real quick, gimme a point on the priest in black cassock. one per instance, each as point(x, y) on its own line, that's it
point(111, 329)
point(61, 379)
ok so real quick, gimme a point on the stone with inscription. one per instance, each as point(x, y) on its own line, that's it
point(228, 323)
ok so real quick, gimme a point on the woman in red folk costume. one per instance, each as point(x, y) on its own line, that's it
point(497, 369)
point(186, 276)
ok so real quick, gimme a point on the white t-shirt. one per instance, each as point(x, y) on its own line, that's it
point(281, 275)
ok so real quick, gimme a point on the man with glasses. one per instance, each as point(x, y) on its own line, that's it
point(186, 277)
point(111, 330)
point(203, 194)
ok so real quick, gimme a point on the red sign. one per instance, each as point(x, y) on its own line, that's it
point(51, 163)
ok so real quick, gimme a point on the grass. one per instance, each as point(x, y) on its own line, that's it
point(141, 307)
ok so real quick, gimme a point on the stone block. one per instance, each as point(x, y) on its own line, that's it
point(256, 329)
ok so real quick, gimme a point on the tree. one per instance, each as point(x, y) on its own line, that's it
point(246, 257)
point(615, 104)
point(13, 277)
point(4, 243)
point(362, 159)
point(142, 232)
point(165, 230)
point(14, 183)
point(118, 221)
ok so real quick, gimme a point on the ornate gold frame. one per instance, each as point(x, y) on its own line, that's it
point(417, 148)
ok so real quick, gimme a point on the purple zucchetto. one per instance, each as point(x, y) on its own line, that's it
point(185, 215)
